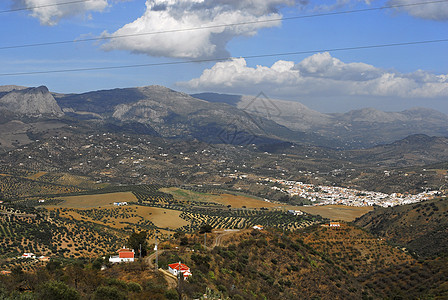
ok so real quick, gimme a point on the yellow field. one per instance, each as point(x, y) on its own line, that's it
point(92, 201)
point(236, 201)
point(124, 216)
point(37, 175)
point(240, 201)
point(337, 212)
point(161, 217)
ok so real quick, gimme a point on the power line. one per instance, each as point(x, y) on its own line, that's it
point(43, 6)
point(220, 25)
point(227, 58)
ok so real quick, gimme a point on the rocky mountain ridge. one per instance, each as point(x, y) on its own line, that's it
point(29, 101)
point(357, 128)
point(218, 118)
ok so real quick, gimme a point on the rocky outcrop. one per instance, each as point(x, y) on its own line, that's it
point(29, 101)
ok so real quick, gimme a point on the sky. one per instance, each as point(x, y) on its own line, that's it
point(332, 56)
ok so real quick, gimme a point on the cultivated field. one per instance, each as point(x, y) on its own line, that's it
point(133, 216)
point(240, 201)
point(236, 201)
point(337, 212)
point(100, 200)
point(162, 218)
point(37, 175)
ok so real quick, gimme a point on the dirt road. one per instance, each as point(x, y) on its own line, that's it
point(221, 234)
point(170, 278)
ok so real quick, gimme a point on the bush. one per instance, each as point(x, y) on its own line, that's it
point(134, 287)
point(108, 293)
point(171, 294)
point(58, 291)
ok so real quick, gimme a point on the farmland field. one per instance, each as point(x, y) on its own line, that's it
point(91, 201)
point(337, 212)
point(124, 216)
point(37, 175)
point(162, 218)
point(236, 201)
point(240, 201)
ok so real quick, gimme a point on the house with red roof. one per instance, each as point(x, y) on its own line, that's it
point(335, 224)
point(28, 255)
point(124, 255)
point(179, 267)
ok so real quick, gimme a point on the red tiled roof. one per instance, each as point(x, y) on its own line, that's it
point(128, 254)
point(179, 266)
point(124, 249)
point(125, 253)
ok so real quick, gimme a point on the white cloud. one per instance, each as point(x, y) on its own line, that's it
point(318, 75)
point(436, 11)
point(50, 14)
point(430, 11)
point(166, 15)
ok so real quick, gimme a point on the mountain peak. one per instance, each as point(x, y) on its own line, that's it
point(30, 101)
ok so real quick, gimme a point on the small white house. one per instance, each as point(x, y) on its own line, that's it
point(120, 203)
point(258, 227)
point(124, 255)
point(29, 255)
point(295, 212)
point(179, 267)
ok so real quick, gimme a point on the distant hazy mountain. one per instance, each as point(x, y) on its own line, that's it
point(174, 114)
point(416, 149)
point(29, 101)
point(358, 128)
point(223, 118)
point(293, 115)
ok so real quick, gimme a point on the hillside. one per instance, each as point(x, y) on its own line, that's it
point(421, 227)
point(416, 149)
point(365, 127)
point(314, 263)
point(174, 114)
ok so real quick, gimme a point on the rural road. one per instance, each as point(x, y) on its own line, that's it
point(170, 278)
point(149, 259)
point(218, 239)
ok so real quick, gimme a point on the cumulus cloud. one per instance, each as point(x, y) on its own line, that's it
point(430, 11)
point(50, 14)
point(318, 75)
point(172, 15)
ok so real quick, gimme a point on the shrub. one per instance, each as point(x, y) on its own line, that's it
point(58, 291)
point(108, 293)
point(171, 294)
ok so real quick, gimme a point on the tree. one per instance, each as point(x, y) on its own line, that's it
point(205, 228)
point(109, 293)
point(138, 241)
point(57, 290)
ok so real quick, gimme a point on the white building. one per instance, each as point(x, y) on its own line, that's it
point(124, 255)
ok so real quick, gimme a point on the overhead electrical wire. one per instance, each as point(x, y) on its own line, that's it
point(43, 6)
point(220, 25)
point(226, 58)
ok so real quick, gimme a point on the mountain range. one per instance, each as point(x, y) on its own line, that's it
point(357, 128)
point(219, 118)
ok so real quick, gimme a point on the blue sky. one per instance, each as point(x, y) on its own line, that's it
point(389, 78)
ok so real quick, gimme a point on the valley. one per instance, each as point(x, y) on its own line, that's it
point(293, 204)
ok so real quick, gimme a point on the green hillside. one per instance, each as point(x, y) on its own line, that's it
point(420, 227)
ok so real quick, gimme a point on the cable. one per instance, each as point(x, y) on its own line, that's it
point(221, 25)
point(226, 58)
point(42, 6)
